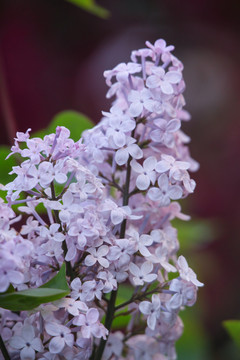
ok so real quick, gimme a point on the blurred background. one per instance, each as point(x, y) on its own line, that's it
point(52, 57)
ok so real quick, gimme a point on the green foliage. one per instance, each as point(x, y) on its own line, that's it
point(6, 165)
point(233, 329)
point(92, 7)
point(193, 344)
point(29, 299)
point(194, 233)
point(73, 120)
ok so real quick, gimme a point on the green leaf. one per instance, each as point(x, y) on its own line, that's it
point(59, 281)
point(74, 121)
point(6, 165)
point(233, 328)
point(92, 7)
point(29, 299)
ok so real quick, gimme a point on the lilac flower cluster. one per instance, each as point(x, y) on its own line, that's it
point(107, 202)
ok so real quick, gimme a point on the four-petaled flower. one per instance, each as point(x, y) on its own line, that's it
point(27, 342)
point(151, 310)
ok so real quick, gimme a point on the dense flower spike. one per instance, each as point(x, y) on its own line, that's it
point(108, 211)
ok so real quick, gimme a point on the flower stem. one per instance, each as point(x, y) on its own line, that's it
point(4, 350)
point(111, 305)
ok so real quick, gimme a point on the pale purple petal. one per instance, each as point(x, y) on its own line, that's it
point(151, 321)
point(17, 342)
point(60, 178)
point(175, 192)
point(103, 250)
point(136, 166)
point(145, 307)
point(69, 339)
point(143, 250)
point(116, 217)
point(135, 151)
point(134, 269)
point(153, 81)
point(92, 316)
point(134, 96)
point(56, 345)
point(52, 329)
point(119, 139)
point(173, 77)
point(90, 260)
point(104, 262)
point(173, 125)
point(163, 182)
point(150, 163)
point(121, 156)
point(136, 109)
point(146, 267)
point(15, 277)
point(28, 333)
point(154, 194)
point(142, 182)
point(37, 345)
point(27, 353)
point(166, 88)
point(162, 166)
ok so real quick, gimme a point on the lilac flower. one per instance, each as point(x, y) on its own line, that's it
point(143, 274)
point(152, 310)
point(97, 256)
point(9, 274)
point(122, 251)
point(141, 241)
point(52, 233)
point(160, 47)
point(91, 289)
point(169, 163)
point(147, 173)
point(119, 125)
point(61, 336)
point(130, 148)
point(186, 272)
point(164, 131)
point(164, 80)
point(140, 100)
point(165, 192)
point(27, 343)
point(185, 294)
point(114, 346)
point(89, 324)
point(122, 72)
point(72, 306)
point(109, 281)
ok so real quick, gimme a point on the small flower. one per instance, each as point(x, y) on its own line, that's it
point(89, 324)
point(140, 100)
point(97, 256)
point(130, 148)
point(162, 80)
point(143, 274)
point(61, 336)
point(165, 192)
point(152, 310)
point(27, 342)
point(169, 163)
point(186, 272)
point(147, 173)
